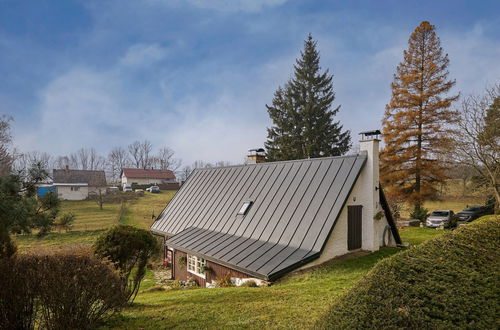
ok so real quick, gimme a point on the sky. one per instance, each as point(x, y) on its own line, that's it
point(195, 75)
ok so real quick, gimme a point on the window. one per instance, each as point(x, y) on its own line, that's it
point(75, 188)
point(196, 265)
point(244, 208)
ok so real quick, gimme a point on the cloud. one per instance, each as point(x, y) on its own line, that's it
point(227, 5)
point(144, 54)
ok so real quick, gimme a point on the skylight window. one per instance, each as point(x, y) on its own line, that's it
point(244, 208)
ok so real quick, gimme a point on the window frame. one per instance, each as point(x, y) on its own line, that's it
point(194, 265)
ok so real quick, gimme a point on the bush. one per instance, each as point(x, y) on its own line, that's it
point(224, 281)
point(65, 222)
point(57, 292)
point(419, 213)
point(129, 249)
point(18, 292)
point(76, 292)
point(448, 282)
point(249, 284)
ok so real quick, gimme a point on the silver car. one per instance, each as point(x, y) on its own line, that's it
point(445, 218)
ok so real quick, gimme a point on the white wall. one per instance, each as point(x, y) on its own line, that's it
point(65, 193)
point(142, 181)
point(365, 194)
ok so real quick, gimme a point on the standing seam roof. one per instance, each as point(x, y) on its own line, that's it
point(294, 207)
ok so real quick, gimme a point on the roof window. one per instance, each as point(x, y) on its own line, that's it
point(244, 208)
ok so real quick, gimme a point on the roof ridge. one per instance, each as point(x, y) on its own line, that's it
point(283, 161)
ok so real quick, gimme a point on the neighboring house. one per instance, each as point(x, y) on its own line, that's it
point(78, 184)
point(137, 176)
point(264, 220)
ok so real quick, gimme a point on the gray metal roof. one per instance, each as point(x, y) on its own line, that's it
point(294, 207)
point(93, 178)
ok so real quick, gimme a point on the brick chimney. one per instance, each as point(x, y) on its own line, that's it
point(256, 156)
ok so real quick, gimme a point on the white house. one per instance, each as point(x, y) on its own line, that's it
point(263, 220)
point(78, 184)
point(137, 176)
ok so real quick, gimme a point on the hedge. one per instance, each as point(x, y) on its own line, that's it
point(449, 282)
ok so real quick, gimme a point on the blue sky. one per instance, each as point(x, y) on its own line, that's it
point(195, 75)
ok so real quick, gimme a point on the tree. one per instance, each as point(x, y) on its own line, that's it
point(302, 113)
point(6, 158)
point(21, 211)
point(478, 142)
point(129, 249)
point(135, 153)
point(117, 160)
point(417, 123)
point(146, 158)
point(166, 160)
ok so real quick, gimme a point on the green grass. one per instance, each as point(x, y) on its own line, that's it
point(417, 235)
point(90, 222)
point(297, 302)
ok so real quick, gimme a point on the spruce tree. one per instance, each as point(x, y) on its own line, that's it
point(302, 113)
point(417, 124)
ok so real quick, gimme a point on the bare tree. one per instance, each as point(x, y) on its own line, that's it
point(479, 141)
point(134, 150)
point(166, 160)
point(185, 173)
point(222, 163)
point(6, 158)
point(117, 160)
point(145, 150)
point(83, 158)
point(96, 162)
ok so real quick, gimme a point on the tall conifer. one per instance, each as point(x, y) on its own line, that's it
point(302, 113)
point(417, 123)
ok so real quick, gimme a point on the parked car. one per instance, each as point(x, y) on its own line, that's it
point(153, 189)
point(127, 188)
point(473, 212)
point(445, 218)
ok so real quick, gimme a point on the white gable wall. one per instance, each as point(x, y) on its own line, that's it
point(65, 193)
point(365, 194)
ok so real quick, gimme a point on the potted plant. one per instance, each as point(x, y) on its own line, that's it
point(182, 261)
point(379, 215)
point(204, 269)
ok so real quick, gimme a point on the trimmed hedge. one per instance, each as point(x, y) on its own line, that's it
point(449, 282)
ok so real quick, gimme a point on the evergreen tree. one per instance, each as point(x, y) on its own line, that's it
point(302, 113)
point(417, 123)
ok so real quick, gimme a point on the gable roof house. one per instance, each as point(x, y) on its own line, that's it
point(264, 220)
point(165, 179)
point(78, 184)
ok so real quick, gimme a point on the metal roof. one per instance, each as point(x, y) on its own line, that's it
point(294, 206)
point(93, 178)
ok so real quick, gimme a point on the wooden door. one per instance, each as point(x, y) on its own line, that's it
point(354, 230)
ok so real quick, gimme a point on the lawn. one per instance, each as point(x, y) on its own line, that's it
point(91, 221)
point(296, 302)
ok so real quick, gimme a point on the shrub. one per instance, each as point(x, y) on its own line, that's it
point(419, 213)
point(129, 249)
point(65, 222)
point(224, 281)
point(18, 292)
point(449, 282)
point(76, 292)
point(57, 292)
point(249, 284)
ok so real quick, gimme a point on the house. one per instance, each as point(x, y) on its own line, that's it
point(262, 220)
point(78, 184)
point(165, 179)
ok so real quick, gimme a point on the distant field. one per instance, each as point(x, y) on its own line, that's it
point(91, 221)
